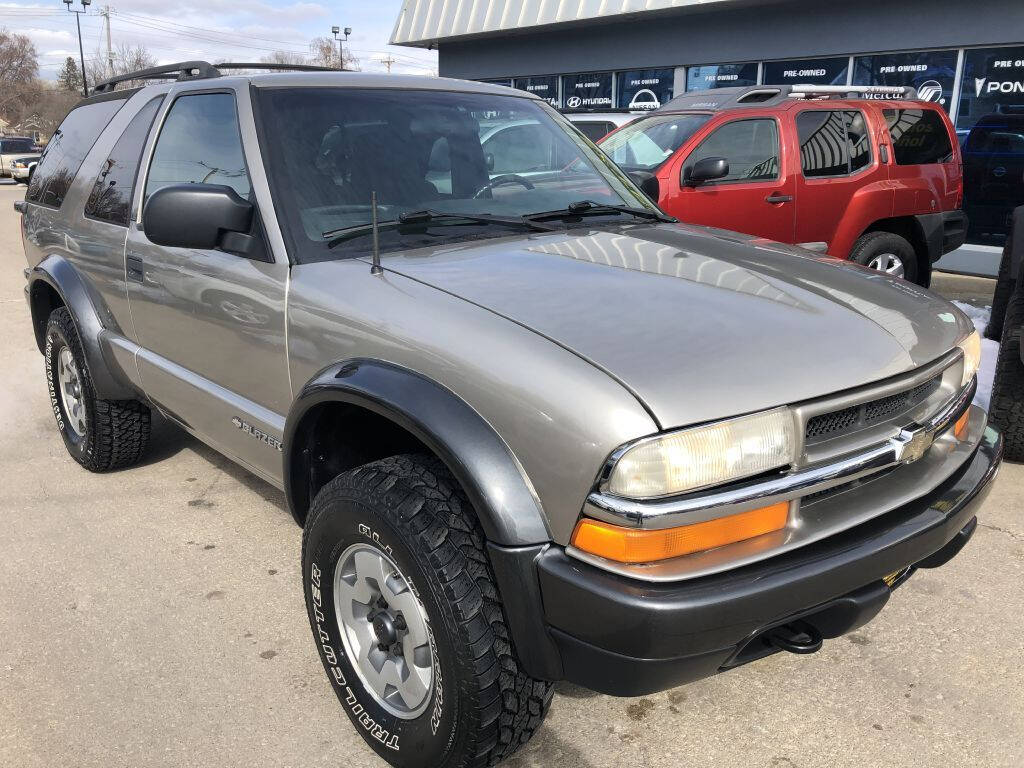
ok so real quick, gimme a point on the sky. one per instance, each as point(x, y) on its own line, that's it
point(214, 30)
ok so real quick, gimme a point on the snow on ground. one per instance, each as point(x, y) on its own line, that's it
point(989, 350)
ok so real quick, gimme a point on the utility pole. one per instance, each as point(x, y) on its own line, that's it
point(105, 13)
point(387, 61)
point(81, 51)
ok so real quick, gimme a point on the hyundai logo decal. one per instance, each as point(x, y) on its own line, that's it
point(574, 102)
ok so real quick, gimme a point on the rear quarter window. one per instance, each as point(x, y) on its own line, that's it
point(67, 149)
point(919, 136)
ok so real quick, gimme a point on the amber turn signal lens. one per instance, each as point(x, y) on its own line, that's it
point(632, 545)
point(960, 428)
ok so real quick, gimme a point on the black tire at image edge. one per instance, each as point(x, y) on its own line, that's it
point(1006, 409)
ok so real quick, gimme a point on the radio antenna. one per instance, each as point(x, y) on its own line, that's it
point(375, 269)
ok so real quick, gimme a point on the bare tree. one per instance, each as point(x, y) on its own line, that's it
point(19, 68)
point(324, 53)
point(284, 57)
point(127, 58)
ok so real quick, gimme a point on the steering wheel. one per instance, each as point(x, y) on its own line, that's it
point(505, 178)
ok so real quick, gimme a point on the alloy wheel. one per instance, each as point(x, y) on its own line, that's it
point(384, 630)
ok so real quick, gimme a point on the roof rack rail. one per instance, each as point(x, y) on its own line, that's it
point(275, 66)
point(198, 70)
point(808, 91)
point(184, 70)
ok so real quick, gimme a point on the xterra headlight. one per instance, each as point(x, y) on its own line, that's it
point(699, 457)
point(971, 347)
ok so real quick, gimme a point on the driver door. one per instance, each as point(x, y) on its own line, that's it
point(757, 197)
point(210, 323)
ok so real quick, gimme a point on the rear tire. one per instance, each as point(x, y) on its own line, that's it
point(887, 253)
point(1006, 411)
point(99, 434)
point(407, 518)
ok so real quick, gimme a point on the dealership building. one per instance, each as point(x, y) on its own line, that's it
point(637, 54)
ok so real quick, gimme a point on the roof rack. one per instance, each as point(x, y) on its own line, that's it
point(770, 95)
point(198, 70)
point(808, 91)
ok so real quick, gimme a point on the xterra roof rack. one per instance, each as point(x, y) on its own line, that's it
point(198, 70)
point(770, 95)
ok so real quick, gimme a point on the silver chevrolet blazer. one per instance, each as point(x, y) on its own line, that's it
point(534, 429)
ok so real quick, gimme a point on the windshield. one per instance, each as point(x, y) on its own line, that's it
point(647, 143)
point(329, 149)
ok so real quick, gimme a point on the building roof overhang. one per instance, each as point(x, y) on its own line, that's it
point(425, 23)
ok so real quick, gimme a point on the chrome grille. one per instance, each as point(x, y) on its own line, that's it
point(838, 423)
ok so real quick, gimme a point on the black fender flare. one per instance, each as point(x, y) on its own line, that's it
point(60, 275)
point(506, 503)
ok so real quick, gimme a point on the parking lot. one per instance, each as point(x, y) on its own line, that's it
point(154, 617)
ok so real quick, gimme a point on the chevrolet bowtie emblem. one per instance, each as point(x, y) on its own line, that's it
point(911, 446)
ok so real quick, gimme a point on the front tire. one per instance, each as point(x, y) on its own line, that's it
point(99, 434)
point(887, 253)
point(1007, 406)
point(407, 519)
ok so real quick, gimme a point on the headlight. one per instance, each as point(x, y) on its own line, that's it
point(703, 456)
point(971, 347)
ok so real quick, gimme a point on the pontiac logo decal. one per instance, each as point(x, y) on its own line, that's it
point(257, 433)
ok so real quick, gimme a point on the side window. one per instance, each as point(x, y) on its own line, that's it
point(833, 142)
point(750, 146)
point(67, 149)
point(200, 143)
point(111, 196)
point(519, 149)
point(919, 136)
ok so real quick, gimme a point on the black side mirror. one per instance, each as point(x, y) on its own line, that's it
point(648, 184)
point(489, 161)
point(707, 169)
point(201, 216)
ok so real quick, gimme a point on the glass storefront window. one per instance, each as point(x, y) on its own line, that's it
point(720, 76)
point(499, 81)
point(932, 73)
point(588, 90)
point(546, 87)
point(990, 123)
point(828, 71)
point(645, 88)
point(993, 83)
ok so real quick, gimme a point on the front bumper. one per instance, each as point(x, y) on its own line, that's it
point(628, 638)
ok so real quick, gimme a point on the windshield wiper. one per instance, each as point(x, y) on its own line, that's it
point(590, 208)
point(426, 216)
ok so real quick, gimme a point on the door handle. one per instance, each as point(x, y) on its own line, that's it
point(134, 269)
point(777, 198)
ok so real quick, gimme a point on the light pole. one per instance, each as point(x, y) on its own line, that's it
point(341, 52)
point(78, 23)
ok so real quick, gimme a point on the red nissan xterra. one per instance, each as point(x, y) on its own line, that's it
point(876, 179)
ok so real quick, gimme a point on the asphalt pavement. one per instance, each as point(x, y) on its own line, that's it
point(154, 617)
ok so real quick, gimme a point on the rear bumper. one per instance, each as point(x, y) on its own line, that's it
point(628, 638)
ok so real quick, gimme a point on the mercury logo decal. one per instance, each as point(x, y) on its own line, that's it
point(931, 90)
point(257, 433)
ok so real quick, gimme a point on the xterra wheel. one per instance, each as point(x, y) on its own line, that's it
point(408, 621)
point(888, 253)
point(1007, 406)
point(99, 434)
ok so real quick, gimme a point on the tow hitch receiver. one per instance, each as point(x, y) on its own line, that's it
point(795, 637)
